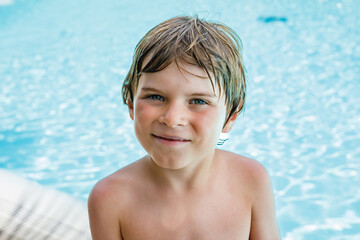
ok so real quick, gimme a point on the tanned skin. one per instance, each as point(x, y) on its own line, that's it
point(185, 188)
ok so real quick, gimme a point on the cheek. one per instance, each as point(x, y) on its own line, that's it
point(143, 111)
point(211, 120)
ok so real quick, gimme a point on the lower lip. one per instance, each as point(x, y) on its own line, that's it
point(169, 141)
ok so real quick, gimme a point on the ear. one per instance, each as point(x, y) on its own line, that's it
point(131, 108)
point(230, 123)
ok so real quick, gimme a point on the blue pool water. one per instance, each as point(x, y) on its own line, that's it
point(62, 122)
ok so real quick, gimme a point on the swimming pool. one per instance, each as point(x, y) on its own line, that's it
point(62, 122)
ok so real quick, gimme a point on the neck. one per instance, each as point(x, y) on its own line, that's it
point(183, 180)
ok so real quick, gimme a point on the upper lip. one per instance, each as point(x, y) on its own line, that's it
point(172, 138)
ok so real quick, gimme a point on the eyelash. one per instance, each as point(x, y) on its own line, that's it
point(155, 97)
point(192, 101)
point(198, 101)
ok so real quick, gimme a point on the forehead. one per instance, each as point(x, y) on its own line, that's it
point(186, 67)
point(179, 70)
point(179, 74)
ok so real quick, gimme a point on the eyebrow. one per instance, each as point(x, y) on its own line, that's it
point(201, 94)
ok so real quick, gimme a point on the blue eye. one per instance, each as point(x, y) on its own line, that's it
point(155, 97)
point(198, 101)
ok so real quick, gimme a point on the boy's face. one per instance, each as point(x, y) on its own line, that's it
point(178, 116)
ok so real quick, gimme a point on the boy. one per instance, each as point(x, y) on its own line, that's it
point(186, 85)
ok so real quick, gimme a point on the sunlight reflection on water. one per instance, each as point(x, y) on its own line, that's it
point(63, 124)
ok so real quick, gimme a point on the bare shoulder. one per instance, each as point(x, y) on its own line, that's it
point(116, 185)
point(247, 170)
point(255, 181)
point(108, 201)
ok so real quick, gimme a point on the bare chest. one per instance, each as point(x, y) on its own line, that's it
point(218, 216)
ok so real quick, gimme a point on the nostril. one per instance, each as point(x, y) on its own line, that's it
point(173, 117)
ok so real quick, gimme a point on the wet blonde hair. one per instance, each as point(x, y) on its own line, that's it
point(214, 47)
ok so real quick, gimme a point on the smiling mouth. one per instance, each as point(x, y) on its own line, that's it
point(170, 139)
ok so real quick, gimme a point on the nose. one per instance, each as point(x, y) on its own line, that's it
point(174, 115)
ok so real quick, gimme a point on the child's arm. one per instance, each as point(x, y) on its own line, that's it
point(104, 222)
point(263, 218)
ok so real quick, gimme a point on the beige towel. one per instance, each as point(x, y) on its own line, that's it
point(29, 211)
